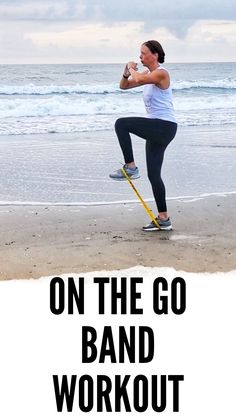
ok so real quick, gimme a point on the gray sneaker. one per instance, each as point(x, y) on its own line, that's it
point(164, 225)
point(132, 173)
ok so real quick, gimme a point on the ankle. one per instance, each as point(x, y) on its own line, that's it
point(131, 165)
point(163, 216)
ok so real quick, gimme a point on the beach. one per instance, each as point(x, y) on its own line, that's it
point(59, 217)
point(49, 241)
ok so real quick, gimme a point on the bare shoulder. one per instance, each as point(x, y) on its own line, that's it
point(162, 78)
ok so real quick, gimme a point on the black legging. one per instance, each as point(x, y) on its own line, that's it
point(158, 134)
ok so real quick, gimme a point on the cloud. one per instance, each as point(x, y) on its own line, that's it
point(39, 42)
point(111, 30)
point(177, 16)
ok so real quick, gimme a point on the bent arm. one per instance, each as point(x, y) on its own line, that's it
point(158, 77)
point(126, 82)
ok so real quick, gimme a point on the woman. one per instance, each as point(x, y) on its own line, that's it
point(158, 128)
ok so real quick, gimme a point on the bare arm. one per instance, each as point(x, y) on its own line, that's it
point(158, 77)
point(126, 82)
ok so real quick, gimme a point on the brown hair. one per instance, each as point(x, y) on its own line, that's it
point(155, 47)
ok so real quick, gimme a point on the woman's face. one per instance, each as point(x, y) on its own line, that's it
point(147, 58)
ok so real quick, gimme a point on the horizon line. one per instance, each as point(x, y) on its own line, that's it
point(116, 63)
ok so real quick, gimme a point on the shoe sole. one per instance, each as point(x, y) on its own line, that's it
point(168, 228)
point(158, 229)
point(151, 229)
point(124, 178)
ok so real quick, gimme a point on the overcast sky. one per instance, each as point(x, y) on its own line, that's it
point(97, 31)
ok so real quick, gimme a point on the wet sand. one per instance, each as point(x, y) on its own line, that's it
point(48, 241)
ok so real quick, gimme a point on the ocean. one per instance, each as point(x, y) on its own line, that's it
point(57, 140)
point(72, 98)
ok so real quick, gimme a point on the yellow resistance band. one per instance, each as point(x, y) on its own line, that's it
point(149, 211)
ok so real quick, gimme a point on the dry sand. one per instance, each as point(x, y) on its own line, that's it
point(48, 241)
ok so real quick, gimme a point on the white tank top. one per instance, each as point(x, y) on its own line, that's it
point(158, 102)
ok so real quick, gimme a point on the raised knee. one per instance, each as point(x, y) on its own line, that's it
point(118, 123)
